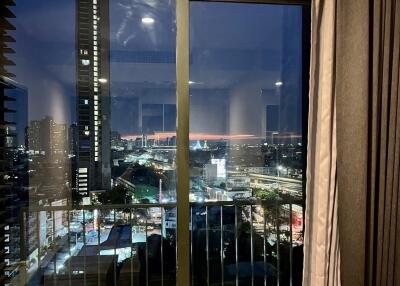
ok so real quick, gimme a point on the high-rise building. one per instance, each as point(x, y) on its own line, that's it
point(49, 161)
point(33, 135)
point(5, 183)
point(20, 117)
point(73, 139)
point(13, 171)
point(45, 135)
point(48, 138)
point(60, 142)
point(93, 89)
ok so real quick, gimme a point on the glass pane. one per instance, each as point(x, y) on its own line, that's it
point(246, 153)
point(90, 121)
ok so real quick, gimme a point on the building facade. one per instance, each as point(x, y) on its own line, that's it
point(6, 220)
point(93, 90)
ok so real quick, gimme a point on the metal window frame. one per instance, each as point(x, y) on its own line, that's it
point(182, 148)
point(278, 2)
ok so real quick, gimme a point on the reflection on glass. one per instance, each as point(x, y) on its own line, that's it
point(246, 143)
point(90, 121)
point(88, 143)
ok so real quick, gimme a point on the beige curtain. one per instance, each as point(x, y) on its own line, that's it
point(368, 136)
point(353, 189)
point(321, 256)
point(352, 89)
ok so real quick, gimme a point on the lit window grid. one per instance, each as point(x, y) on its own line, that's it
point(95, 73)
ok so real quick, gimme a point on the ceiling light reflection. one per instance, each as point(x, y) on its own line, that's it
point(147, 20)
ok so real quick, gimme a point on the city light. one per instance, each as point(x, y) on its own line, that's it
point(86, 62)
point(239, 166)
point(147, 20)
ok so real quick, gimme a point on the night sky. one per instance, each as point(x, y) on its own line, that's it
point(238, 53)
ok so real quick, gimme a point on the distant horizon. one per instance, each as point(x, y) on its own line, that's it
point(209, 137)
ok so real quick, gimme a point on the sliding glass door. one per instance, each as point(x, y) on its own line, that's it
point(152, 142)
point(246, 147)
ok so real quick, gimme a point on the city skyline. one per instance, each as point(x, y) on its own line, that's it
point(79, 177)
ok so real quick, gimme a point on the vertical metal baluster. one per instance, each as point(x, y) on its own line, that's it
point(191, 246)
point(130, 221)
point(38, 241)
point(222, 244)
point(251, 245)
point(207, 249)
point(176, 246)
point(265, 245)
point(23, 239)
point(236, 247)
point(277, 245)
point(291, 244)
point(54, 248)
point(84, 247)
point(147, 252)
point(162, 246)
point(69, 247)
point(115, 250)
point(98, 246)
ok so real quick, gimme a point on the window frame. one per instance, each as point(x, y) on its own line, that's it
point(182, 129)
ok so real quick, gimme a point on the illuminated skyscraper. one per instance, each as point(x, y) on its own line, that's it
point(48, 138)
point(93, 89)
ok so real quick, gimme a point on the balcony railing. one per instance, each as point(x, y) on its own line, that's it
point(232, 243)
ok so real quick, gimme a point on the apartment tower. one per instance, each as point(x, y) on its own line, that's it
point(93, 96)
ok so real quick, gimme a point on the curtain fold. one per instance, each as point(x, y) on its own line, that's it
point(369, 118)
point(353, 172)
point(385, 135)
point(321, 257)
point(352, 93)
